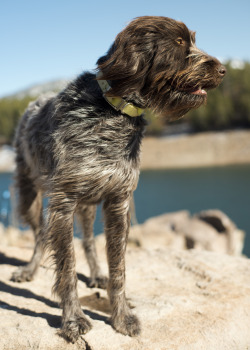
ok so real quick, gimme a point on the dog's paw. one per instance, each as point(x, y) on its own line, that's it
point(98, 282)
point(22, 274)
point(128, 325)
point(73, 328)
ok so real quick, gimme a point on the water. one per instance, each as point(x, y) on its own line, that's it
point(158, 192)
point(5, 204)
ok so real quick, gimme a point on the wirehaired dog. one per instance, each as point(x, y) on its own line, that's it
point(82, 146)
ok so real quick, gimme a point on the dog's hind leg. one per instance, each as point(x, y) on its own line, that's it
point(30, 210)
point(86, 217)
point(117, 223)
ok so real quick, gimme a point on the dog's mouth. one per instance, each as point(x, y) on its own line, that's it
point(199, 92)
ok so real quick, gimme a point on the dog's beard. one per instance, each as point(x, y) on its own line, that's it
point(175, 104)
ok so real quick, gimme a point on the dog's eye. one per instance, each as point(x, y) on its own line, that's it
point(180, 41)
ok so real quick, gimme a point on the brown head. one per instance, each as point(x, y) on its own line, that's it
point(155, 63)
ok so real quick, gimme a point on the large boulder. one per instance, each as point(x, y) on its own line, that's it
point(210, 230)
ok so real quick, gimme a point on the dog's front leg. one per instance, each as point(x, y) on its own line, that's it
point(117, 222)
point(60, 234)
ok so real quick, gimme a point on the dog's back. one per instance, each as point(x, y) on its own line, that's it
point(33, 139)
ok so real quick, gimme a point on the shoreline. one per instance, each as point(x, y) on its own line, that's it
point(196, 150)
point(179, 151)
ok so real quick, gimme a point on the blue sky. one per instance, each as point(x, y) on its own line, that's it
point(53, 39)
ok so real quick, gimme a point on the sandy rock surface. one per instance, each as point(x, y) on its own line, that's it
point(186, 300)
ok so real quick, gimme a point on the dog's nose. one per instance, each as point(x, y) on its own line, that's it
point(222, 70)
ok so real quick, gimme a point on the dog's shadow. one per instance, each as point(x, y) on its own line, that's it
point(4, 259)
point(53, 320)
point(93, 302)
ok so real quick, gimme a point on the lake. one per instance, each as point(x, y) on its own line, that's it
point(225, 188)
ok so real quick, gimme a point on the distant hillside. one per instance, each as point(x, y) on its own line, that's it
point(38, 89)
point(13, 106)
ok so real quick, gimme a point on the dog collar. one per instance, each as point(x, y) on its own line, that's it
point(118, 103)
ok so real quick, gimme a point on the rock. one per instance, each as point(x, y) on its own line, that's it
point(192, 150)
point(186, 300)
point(210, 230)
point(158, 232)
point(7, 159)
point(224, 226)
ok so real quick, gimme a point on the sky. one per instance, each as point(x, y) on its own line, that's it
point(46, 40)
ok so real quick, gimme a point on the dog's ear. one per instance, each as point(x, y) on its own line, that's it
point(125, 65)
point(138, 61)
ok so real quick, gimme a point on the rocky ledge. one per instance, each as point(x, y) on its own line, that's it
point(186, 299)
point(196, 150)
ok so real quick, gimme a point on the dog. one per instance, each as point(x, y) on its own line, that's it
point(82, 147)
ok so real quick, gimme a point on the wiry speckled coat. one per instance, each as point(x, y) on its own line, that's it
point(78, 150)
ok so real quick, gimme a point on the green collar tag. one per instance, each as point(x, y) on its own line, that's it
point(118, 103)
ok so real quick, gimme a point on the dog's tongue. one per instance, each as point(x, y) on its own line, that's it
point(199, 92)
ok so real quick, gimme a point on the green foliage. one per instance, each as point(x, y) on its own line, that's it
point(11, 109)
point(228, 106)
point(155, 123)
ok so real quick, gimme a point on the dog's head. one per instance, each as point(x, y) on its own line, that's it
point(155, 63)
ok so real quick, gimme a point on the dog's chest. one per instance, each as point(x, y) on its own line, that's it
point(97, 161)
point(98, 181)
